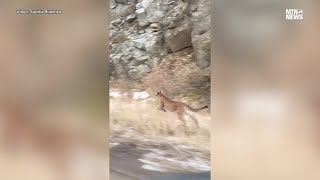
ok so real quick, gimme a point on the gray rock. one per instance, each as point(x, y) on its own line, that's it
point(149, 42)
point(154, 44)
point(122, 1)
point(154, 9)
point(126, 58)
point(201, 26)
point(178, 38)
point(139, 71)
point(149, 30)
point(112, 4)
point(116, 22)
point(118, 66)
point(132, 1)
point(112, 33)
point(152, 29)
point(140, 56)
point(131, 18)
point(171, 2)
point(139, 6)
point(120, 70)
point(138, 42)
point(154, 25)
point(122, 11)
point(201, 33)
point(132, 31)
point(202, 47)
point(175, 15)
point(142, 17)
point(134, 63)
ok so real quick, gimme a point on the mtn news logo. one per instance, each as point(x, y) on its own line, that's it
point(294, 14)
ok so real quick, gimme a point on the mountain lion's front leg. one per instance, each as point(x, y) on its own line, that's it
point(162, 107)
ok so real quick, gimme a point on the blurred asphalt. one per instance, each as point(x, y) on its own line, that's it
point(124, 165)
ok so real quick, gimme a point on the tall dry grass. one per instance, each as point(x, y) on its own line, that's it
point(144, 117)
point(179, 77)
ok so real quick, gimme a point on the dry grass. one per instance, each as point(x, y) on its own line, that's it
point(148, 120)
point(181, 79)
point(177, 76)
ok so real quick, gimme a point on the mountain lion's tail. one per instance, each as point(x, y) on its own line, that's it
point(197, 109)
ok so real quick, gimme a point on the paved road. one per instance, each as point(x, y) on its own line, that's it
point(115, 175)
point(124, 165)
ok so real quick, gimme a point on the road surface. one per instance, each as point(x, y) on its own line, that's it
point(125, 164)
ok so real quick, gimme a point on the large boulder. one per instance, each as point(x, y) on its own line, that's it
point(202, 45)
point(178, 38)
point(142, 32)
point(201, 31)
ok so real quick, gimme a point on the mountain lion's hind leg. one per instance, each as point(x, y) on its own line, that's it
point(181, 118)
point(191, 116)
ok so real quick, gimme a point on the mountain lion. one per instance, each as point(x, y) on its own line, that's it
point(183, 110)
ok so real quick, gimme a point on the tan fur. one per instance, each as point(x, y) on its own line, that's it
point(183, 110)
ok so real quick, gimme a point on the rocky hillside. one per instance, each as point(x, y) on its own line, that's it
point(144, 32)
